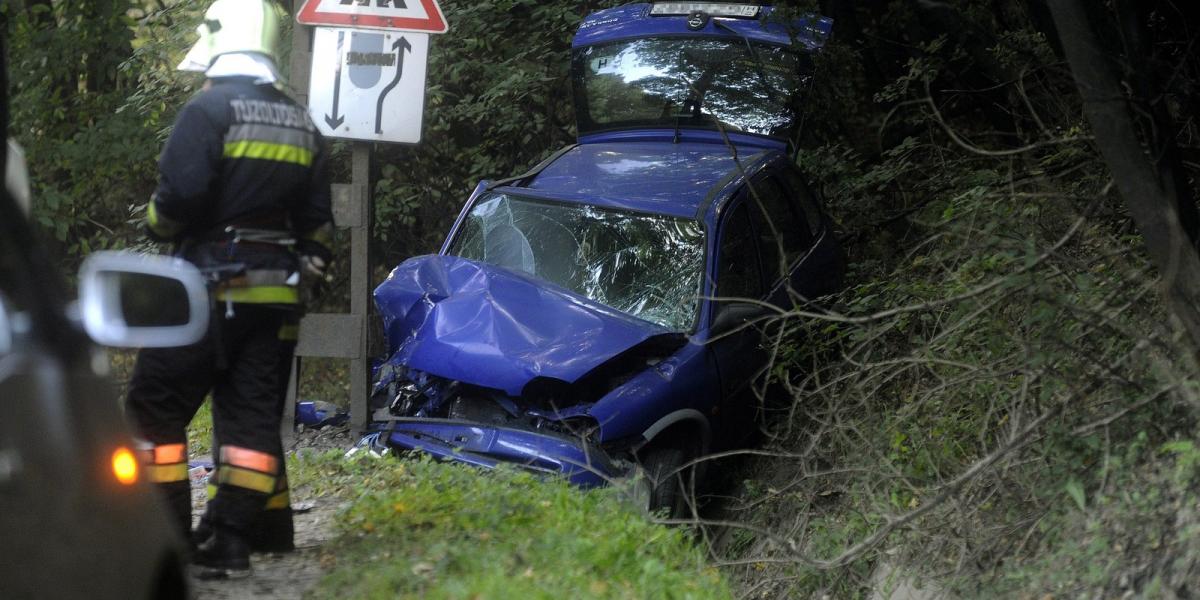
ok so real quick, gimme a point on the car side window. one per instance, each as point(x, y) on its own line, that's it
point(738, 274)
point(804, 200)
point(778, 227)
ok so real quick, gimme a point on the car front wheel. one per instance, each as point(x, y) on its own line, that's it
point(666, 482)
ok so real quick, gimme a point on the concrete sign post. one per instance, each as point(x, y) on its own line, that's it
point(368, 85)
point(365, 70)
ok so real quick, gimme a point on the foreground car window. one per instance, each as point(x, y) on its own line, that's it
point(648, 266)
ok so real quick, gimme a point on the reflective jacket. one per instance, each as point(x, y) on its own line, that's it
point(243, 156)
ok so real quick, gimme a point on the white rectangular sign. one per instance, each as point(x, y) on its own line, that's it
point(368, 84)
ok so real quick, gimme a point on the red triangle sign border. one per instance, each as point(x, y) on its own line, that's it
point(434, 23)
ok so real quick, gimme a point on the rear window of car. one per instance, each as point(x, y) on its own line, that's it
point(648, 266)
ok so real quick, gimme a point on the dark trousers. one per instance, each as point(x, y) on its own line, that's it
point(244, 362)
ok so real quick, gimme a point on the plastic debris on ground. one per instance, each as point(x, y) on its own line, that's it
point(316, 413)
point(198, 470)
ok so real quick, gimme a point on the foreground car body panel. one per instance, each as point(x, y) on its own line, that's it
point(70, 527)
point(64, 513)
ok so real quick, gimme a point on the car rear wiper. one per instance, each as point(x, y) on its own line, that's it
point(694, 103)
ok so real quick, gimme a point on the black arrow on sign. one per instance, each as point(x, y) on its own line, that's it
point(400, 46)
point(335, 121)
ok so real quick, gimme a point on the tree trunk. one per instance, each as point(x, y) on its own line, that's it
point(1151, 200)
point(1151, 102)
point(110, 40)
point(847, 28)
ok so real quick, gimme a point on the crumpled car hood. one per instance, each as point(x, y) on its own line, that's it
point(491, 327)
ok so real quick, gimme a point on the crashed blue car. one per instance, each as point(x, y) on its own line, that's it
point(593, 317)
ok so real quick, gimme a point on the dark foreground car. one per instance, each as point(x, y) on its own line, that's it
point(78, 518)
point(590, 316)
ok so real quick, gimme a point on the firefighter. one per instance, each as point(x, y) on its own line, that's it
point(244, 194)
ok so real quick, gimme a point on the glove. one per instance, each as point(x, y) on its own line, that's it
point(313, 266)
point(314, 258)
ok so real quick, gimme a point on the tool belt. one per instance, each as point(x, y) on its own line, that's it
point(260, 287)
point(248, 266)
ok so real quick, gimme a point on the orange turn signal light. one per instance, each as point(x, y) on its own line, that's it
point(125, 466)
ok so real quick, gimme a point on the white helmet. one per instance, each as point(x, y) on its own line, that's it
point(235, 26)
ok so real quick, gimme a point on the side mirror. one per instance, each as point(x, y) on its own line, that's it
point(733, 315)
point(134, 301)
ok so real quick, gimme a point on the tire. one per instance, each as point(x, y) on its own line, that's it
point(667, 481)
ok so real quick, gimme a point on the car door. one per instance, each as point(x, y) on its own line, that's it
point(768, 222)
point(738, 352)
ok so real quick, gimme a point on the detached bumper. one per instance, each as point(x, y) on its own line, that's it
point(488, 446)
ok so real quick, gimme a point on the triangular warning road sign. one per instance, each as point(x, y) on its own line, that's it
point(396, 15)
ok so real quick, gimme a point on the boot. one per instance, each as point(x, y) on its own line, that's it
point(201, 533)
point(272, 532)
point(224, 555)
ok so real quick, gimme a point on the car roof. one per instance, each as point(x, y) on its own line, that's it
point(654, 177)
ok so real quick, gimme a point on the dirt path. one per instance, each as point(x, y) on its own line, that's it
point(281, 576)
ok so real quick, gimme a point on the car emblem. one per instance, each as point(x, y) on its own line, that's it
point(697, 20)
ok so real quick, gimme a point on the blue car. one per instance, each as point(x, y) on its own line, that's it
point(592, 318)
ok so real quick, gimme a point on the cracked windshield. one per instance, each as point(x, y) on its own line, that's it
point(647, 266)
point(747, 87)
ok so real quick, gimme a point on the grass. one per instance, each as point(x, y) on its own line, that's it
point(421, 529)
point(200, 431)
